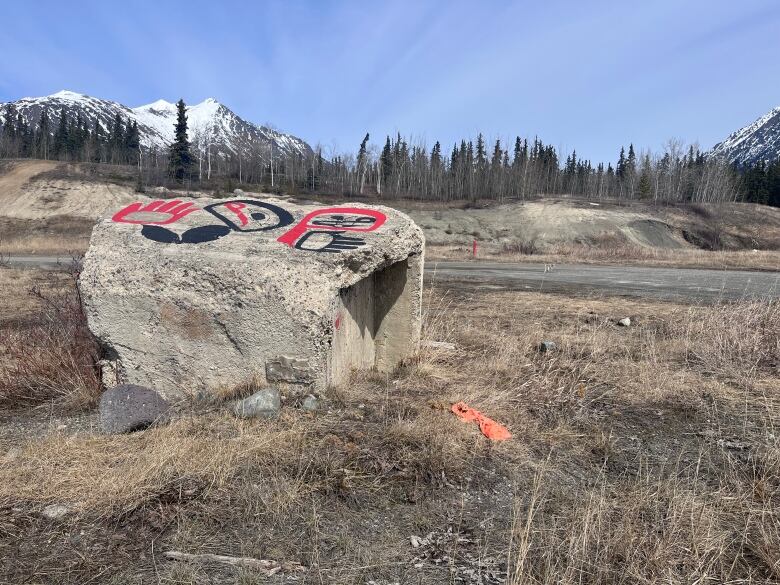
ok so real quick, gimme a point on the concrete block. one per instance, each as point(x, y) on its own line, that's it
point(196, 295)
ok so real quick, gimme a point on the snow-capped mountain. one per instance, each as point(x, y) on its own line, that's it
point(210, 124)
point(753, 143)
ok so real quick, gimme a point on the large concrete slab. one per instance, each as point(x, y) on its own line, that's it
point(206, 294)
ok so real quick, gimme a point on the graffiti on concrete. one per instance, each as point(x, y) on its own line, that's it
point(196, 235)
point(154, 213)
point(322, 230)
point(245, 215)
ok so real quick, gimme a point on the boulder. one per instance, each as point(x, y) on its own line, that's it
point(625, 322)
point(211, 294)
point(128, 407)
point(265, 403)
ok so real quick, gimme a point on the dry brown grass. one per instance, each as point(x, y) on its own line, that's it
point(639, 454)
point(56, 235)
point(52, 356)
point(623, 254)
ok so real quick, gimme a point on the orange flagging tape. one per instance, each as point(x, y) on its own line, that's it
point(490, 428)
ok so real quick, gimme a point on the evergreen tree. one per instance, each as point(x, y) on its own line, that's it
point(180, 157)
point(620, 169)
point(61, 136)
point(96, 142)
point(631, 160)
point(387, 161)
point(43, 135)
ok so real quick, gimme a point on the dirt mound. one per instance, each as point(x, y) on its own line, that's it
point(33, 191)
point(548, 222)
point(653, 233)
point(37, 190)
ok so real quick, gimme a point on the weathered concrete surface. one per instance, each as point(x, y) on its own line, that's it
point(208, 294)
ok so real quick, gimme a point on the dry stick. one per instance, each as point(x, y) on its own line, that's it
point(269, 567)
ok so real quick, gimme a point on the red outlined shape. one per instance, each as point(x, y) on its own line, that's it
point(236, 208)
point(176, 209)
point(308, 223)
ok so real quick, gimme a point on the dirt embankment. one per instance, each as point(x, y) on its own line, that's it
point(549, 222)
point(48, 206)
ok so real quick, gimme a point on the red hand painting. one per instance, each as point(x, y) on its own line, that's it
point(164, 212)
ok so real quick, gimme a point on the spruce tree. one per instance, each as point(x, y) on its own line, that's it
point(387, 161)
point(61, 135)
point(42, 137)
point(620, 169)
point(180, 157)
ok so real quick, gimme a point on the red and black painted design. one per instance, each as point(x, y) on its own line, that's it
point(165, 212)
point(323, 230)
point(246, 215)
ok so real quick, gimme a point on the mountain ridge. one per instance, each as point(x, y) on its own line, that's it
point(212, 126)
point(755, 142)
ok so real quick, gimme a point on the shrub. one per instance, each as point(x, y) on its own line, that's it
point(525, 247)
point(54, 358)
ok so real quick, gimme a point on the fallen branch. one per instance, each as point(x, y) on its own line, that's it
point(267, 567)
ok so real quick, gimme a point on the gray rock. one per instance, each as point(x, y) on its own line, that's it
point(288, 369)
point(626, 322)
point(311, 403)
point(546, 346)
point(55, 511)
point(127, 408)
point(264, 403)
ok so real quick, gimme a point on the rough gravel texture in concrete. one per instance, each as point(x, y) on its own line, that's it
point(210, 294)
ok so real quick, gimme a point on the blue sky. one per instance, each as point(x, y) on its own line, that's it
point(585, 75)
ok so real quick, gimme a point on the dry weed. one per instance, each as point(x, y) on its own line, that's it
point(53, 359)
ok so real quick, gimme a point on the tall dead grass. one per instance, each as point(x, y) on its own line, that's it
point(54, 358)
point(623, 253)
point(736, 340)
point(660, 525)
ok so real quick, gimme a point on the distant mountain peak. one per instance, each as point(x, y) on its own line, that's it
point(759, 140)
point(210, 124)
point(158, 105)
point(67, 95)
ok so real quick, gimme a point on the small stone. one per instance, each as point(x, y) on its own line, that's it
point(443, 345)
point(625, 322)
point(546, 346)
point(265, 403)
point(55, 511)
point(288, 369)
point(310, 404)
point(127, 408)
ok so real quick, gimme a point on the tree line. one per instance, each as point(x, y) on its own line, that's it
point(472, 170)
point(72, 138)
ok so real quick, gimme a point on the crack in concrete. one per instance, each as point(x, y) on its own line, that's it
point(233, 342)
